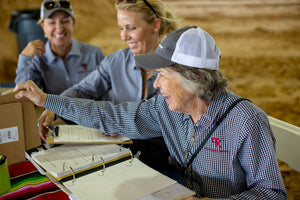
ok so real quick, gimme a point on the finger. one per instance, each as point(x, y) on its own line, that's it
point(43, 131)
point(40, 50)
point(115, 135)
point(20, 94)
point(105, 134)
point(19, 87)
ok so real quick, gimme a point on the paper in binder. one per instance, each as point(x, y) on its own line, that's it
point(67, 160)
point(76, 134)
point(105, 171)
point(126, 181)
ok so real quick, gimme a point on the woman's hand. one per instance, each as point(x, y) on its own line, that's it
point(34, 47)
point(31, 91)
point(194, 198)
point(112, 135)
point(46, 119)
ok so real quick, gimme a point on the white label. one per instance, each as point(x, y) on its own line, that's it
point(9, 135)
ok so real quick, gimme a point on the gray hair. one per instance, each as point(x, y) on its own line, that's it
point(204, 83)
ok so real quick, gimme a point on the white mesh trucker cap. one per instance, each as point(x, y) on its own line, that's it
point(189, 46)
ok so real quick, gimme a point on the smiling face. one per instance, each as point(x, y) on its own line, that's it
point(177, 97)
point(58, 28)
point(137, 33)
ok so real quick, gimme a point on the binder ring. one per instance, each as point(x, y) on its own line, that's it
point(74, 179)
point(72, 171)
point(103, 167)
point(131, 160)
point(93, 157)
point(64, 166)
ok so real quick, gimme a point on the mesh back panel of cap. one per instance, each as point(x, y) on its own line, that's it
point(196, 48)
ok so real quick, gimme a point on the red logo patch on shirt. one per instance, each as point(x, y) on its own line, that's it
point(217, 146)
point(84, 66)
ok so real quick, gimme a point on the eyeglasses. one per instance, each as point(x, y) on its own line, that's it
point(146, 2)
point(56, 4)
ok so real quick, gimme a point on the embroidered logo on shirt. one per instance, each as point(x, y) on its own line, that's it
point(84, 66)
point(217, 146)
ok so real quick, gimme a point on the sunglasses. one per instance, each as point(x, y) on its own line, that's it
point(146, 2)
point(56, 4)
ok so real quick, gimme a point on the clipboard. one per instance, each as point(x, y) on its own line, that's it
point(76, 134)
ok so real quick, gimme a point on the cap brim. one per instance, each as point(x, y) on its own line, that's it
point(152, 61)
point(48, 13)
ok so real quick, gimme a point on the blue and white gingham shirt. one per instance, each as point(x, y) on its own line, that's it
point(237, 162)
point(53, 74)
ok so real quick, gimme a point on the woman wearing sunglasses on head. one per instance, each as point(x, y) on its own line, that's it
point(142, 25)
point(62, 61)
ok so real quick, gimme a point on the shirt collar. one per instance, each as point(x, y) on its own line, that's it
point(213, 111)
point(75, 50)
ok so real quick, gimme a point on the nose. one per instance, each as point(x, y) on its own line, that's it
point(59, 25)
point(156, 83)
point(124, 35)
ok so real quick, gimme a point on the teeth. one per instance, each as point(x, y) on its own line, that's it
point(131, 45)
point(59, 36)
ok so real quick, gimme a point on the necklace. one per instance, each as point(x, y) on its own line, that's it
point(189, 148)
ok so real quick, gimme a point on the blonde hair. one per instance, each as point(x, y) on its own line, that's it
point(168, 21)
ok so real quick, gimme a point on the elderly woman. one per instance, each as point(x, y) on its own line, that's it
point(142, 24)
point(62, 61)
point(223, 144)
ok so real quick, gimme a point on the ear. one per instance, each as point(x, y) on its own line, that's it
point(42, 24)
point(157, 23)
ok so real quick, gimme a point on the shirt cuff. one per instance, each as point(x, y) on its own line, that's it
point(25, 59)
point(53, 103)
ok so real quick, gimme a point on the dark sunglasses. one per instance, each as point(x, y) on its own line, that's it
point(56, 4)
point(146, 2)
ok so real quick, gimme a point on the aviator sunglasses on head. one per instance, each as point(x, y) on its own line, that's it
point(146, 2)
point(56, 4)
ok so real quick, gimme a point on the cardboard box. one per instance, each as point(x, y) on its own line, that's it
point(18, 128)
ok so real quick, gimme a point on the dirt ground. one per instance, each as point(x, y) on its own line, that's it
point(259, 41)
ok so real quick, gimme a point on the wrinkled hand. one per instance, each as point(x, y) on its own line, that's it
point(46, 119)
point(34, 47)
point(31, 91)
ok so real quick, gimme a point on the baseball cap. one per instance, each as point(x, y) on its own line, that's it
point(48, 7)
point(190, 46)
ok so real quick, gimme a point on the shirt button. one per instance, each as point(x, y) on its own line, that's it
point(67, 78)
point(192, 139)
